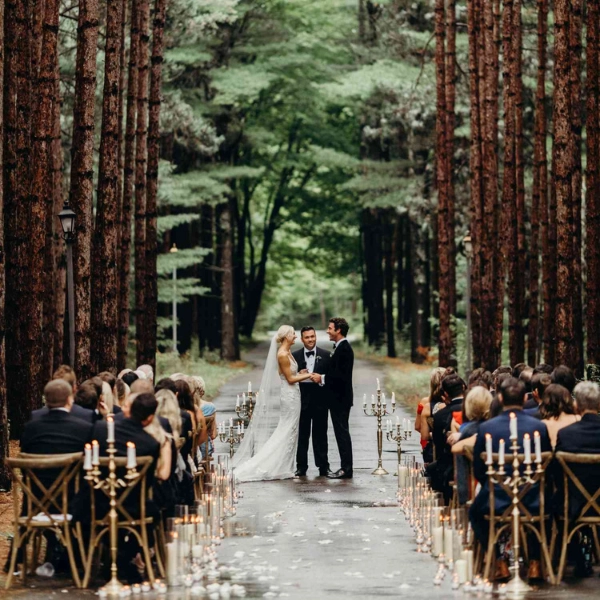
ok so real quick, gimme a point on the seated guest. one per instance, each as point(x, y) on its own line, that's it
point(543, 368)
point(169, 408)
point(141, 387)
point(506, 370)
point(87, 398)
point(209, 410)
point(56, 431)
point(187, 429)
point(511, 396)
point(441, 471)
point(425, 411)
point(147, 371)
point(129, 377)
point(565, 377)
point(526, 376)
point(518, 369)
point(186, 403)
point(110, 398)
point(557, 410)
point(539, 383)
point(581, 438)
point(122, 389)
point(67, 374)
point(477, 409)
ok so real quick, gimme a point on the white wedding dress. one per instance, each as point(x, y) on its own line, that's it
point(275, 458)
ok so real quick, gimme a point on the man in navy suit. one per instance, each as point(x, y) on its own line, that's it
point(315, 412)
point(511, 396)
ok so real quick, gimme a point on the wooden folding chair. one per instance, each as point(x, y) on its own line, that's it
point(535, 523)
point(589, 515)
point(44, 507)
point(137, 526)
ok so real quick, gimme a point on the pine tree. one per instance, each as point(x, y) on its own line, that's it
point(82, 175)
point(104, 265)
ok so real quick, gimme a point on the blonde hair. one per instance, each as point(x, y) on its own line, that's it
point(201, 385)
point(478, 403)
point(169, 408)
point(435, 384)
point(107, 396)
point(283, 332)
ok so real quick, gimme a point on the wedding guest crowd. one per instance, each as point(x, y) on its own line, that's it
point(545, 401)
point(166, 421)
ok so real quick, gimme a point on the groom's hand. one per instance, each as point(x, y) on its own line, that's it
point(303, 371)
point(316, 377)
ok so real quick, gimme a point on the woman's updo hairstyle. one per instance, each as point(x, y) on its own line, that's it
point(283, 332)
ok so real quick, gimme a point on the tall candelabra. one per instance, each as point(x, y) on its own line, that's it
point(111, 483)
point(398, 433)
point(232, 434)
point(245, 408)
point(378, 409)
point(516, 587)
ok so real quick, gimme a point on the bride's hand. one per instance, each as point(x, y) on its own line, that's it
point(315, 377)
point(304, 371)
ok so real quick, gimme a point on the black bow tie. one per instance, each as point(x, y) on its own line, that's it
point(334, 346)
point(311, 353)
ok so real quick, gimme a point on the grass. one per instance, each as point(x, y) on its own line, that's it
point(214, 372)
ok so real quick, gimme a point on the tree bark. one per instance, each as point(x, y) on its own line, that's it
point(575, 16)
point(128, 189)
point(5, 478)
point(104, 265)
point(476, 180)
point(399, 246)
point(228, 320)
point(419, 322)
point(563, 186)
point(151, 291)
point(82, 175)
point(446, 343)
point(141, 158)
point(592, 215)
point(539, 198)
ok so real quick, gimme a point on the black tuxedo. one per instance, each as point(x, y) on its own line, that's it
point(314, 413)
point(85, 414)
point(186, 433)
point(580, 438)
point(338, 386)
point(55, 432)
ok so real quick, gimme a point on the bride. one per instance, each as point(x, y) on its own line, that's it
point(269, 447)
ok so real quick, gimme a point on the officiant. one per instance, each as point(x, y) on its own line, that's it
point(315, 413)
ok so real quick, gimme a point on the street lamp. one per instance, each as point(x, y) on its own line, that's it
point(67, 222)
point(173, 250)
point(468, 247)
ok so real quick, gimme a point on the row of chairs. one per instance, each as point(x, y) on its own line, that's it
point(46, 509)
point(548, 527)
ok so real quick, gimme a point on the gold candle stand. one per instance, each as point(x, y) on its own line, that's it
point(232, 438)
point(246, 409)
point(398, 435)
point(378, 410)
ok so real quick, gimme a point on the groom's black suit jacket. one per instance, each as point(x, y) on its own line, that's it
point(338, 381)
point(310, 392)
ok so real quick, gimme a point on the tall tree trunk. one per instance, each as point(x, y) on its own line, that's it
point(206, 275)
point(388, 257)
point(19, 412)
point(399, 246)
point(492, 284)
point(40, 285)
point(563, 186)
point(592, 215)
point(362, 17)
point(82, 178)
point(445, 227)
point(476, 181)
point(141, 158)
point(575, 16)
point(12, 240)
point(104, 265)
point(374, 288)
point(128, 189)
point(58, 249)
point(407, 272)
point(5, 478)
point(151, 291)
point(419, 320)
point(228, 320)
point(539, 198)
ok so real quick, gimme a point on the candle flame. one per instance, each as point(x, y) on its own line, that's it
point(88, 446)
point(94, 442)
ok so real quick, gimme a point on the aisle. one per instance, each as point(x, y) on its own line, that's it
point(317, 538)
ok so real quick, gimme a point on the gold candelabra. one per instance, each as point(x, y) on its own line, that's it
point(245, 408)
point(398, 433)
point(516, 587)
point(229, 434)
point(378, 409)
point(111, 483)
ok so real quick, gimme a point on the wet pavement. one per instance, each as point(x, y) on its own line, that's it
point(318, 538)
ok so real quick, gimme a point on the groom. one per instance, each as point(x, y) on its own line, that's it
point(338, 386)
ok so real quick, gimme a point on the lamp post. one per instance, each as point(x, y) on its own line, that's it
point(67, 222)
point(468, 246)
point(174, 250)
